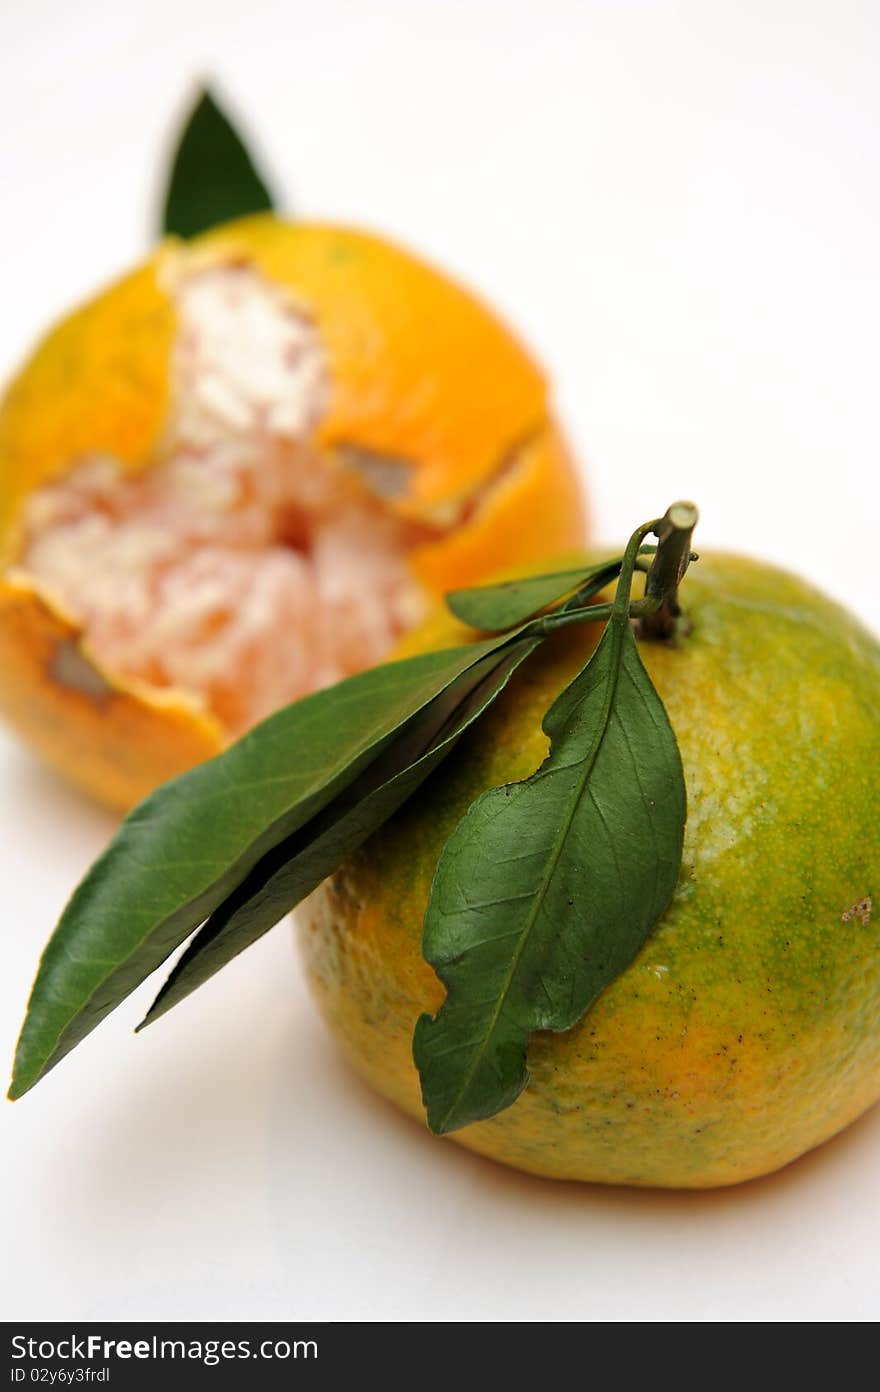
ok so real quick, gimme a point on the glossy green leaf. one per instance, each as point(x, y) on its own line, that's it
point(284, 877)
point(213, 177)
point(494, 608)
point(547, 888)
point(182, 851)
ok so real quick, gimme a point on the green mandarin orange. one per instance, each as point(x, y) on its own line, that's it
point(747, 1030)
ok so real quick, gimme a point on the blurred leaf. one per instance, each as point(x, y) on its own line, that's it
point(213, 178)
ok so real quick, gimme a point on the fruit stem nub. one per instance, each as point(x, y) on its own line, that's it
point(660, 619)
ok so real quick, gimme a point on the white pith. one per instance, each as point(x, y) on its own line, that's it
point(243, 565)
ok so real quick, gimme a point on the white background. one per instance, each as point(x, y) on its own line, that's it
point(679, 205)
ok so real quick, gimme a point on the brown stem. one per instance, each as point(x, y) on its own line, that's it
point(668, 568)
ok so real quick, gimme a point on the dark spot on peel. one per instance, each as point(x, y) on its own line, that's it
point(861, 909)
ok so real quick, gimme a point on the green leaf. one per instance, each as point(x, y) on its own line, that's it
point(297, 866)
point(493, 608)
point(182, 851)
point(547, 888)
point(213, 178)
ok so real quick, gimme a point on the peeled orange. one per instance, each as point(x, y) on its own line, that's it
point(240, 474)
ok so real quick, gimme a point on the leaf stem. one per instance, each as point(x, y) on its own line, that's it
point(592, 613)
point(660, 619)
point(565, 618)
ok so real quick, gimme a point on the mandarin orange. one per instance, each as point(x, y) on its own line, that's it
point(242, 473)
